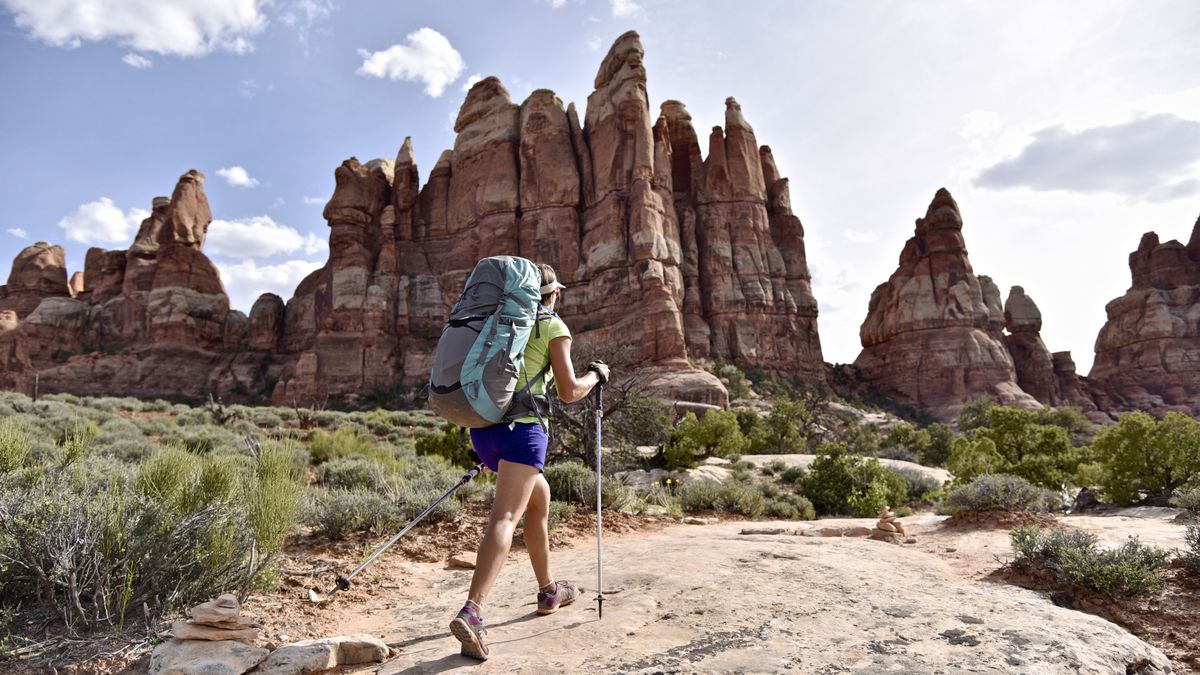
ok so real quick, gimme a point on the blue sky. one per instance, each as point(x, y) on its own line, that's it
point(1064, 129)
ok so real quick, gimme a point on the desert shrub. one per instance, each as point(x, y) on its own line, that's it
point(95, 541)
point(1143, 455)
point(559, 511)
point(14, 445)
point(1189, 499)
point(1000, 492)
point(919, 483)
point(709, 495)
point(792, 474)
point(930, 446)
point(772, 468)
point(1040, 453)
point(266, 418)
point(351, 473)
point(844, 484)
point(201, 438)
point(345, 442)
point(785, 429)
point(450, 443)
point(972, 458)
point(1190, 556)
point(789, 506)
point(717, 435)
point(1075, 557)
point(571, 482)
point(896, 452)
point(336, 513)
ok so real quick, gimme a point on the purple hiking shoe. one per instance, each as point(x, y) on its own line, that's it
point(564, 593)
point(468, 628)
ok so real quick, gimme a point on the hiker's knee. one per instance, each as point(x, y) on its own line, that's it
point(539, 500)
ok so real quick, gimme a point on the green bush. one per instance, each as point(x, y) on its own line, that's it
point(1000, 492)
point(792, 474)
point(559, 511)
point(838, 483)
point(919, 483)
point(14, 446)
point(972, 458)
point(336, 513)
point(1143, 455)
point(772, 468)
point(709, 495)
point(1191, 555)
point(1040, 453)
point(717, 435)
point(930, 446)
point(571, 482)
point(451, 443)
point(784, 430)
point(345, 442)
point(1189, 499)
point(351, 473)
point(1075, 557)
point(789, 506)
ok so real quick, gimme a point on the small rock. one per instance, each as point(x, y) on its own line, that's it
point(766, 530)
point(694, 520)
point(655, 510)
point(219, 610)
point(465, 561)
point(969, 619)
point(858, 531)
point(182, 630)
point(885, 526)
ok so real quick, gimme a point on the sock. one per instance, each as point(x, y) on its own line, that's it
point(551, 587)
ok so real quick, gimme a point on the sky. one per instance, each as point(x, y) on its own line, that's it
point(1063, 129)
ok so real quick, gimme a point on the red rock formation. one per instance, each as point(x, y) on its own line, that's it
point(1148, 352)
point(598, 203)
point(16, 372)
point(1050, 378)
point(601, 201)
point(38, 272)
point(933, 333)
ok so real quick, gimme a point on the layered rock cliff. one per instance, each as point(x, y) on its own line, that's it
point(1148, 352)
point(665, 254)
point(933, 336)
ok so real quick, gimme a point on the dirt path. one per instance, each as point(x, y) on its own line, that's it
point(706, 598)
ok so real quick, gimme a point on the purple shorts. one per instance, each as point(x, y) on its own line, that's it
point(524, 443)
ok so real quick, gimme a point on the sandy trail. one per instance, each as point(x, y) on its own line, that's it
point(706, 598)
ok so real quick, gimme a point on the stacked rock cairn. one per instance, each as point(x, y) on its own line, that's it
point(888, 528)
point(217, 619)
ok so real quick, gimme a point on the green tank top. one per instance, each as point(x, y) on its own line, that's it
point(537, 355)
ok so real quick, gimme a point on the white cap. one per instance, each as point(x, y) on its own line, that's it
point(550, 288)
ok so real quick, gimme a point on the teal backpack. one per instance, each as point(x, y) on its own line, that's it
point(480, 355)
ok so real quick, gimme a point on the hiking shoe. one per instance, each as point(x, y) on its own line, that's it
point(564, 593)
point(468, 628)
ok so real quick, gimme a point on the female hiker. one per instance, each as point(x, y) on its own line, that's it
point(517, 453)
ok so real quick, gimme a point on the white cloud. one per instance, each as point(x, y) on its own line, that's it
point(259, 237)
point(279, 201)
point(594, 43)
point(315, 200)
point(102, 222)
point(237, 177)
point(471, 82)
point(137, 61)
point(174, 27)
point(246, 280)
point(558, 4)
point(625, 9)
point(18, 232)
point(1147, 158)
point(427, 56)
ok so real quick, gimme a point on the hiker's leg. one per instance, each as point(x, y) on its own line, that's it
point(514, 483)
point(537, 536)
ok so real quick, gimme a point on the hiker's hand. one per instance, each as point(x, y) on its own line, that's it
point(600, 368)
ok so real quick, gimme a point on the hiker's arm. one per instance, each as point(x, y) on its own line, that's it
point(570, 388)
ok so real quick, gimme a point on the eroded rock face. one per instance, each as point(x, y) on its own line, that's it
point(598, 202)
point(153, 320)
point(933, 334)
point(38, 272)
point(1148, 352)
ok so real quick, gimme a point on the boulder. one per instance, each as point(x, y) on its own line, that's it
point(203, 657)
point(311, 656)
point(184, 630)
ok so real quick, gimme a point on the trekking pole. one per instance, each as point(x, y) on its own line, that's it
point(599, 516)
point(343, 583)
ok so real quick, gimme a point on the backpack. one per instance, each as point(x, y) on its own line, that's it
point(480, 355)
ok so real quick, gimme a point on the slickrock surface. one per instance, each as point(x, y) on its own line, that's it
point(1148, 353)
point(706, 599)
point(933, 336)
